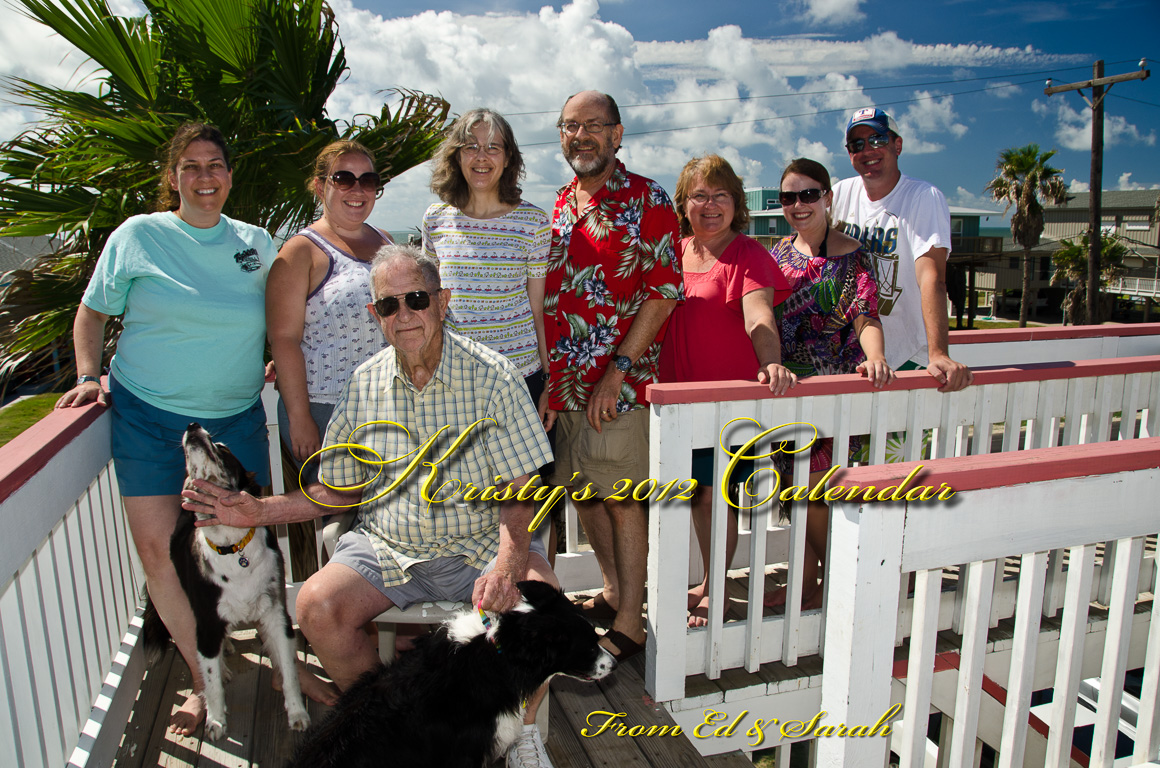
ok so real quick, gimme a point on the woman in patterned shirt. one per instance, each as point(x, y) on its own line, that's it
point(829, 324)
point(491, 244)
point(317, 295)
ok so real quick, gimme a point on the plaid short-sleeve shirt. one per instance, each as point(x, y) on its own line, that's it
point(471, 383)
point(605, 261)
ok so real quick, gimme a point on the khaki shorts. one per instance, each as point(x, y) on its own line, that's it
point(618, 452)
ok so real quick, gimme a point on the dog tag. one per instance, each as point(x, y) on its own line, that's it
point(242, 561)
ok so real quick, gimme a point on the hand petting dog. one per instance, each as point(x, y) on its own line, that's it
point(234, 508)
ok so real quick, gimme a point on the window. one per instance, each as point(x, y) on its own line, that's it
point(1013, 262)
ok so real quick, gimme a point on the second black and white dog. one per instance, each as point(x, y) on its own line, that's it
point(456, 699)
point(231, 576)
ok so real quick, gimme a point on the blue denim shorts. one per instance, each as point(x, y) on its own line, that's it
point(147, 450)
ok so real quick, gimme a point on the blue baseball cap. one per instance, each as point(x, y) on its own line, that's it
point(875, 118)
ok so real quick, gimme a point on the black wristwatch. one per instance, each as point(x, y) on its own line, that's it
point(545, 375)
point(623, 363)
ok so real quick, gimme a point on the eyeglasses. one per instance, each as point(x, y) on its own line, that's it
point(876, 141)
point(475, 149)
point(369, 181)
point(807, 196)
point(416, 301)
point(721, 198)
point(571, 128)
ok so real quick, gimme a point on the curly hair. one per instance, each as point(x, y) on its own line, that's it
point(716, 172)
point(167, 197)
point(447, 180)
point(329, 155)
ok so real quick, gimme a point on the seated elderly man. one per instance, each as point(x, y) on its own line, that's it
point(430, 396)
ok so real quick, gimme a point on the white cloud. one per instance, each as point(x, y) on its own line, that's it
point(1073, 129)
point(1079, 186)
point(757, 102)
point(1126, 183)
point(835, 12)
point(968, 199)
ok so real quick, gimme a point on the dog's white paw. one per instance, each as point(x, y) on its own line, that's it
point(214, 729)
point(299, 721)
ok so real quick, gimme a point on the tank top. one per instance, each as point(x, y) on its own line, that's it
point(339, 333)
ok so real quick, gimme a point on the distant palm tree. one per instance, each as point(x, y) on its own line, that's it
point(261, 70)
point(1022, 177)
point(1071, 266)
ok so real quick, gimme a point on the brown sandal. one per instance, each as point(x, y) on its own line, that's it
point(623, 646)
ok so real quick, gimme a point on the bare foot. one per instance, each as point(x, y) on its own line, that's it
point(696, 595)
point(313, 686)
point(810, 600)
point(190, 715)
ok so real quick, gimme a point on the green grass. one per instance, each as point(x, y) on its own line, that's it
point(22, 414)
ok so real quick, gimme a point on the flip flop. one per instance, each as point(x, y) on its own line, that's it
point(624, 647)
point(597, 609)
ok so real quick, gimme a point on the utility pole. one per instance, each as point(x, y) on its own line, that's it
point(1100, 86)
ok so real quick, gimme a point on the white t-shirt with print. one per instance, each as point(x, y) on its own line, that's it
point(896, 230)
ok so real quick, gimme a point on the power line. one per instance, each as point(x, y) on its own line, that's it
point(1129, 98)
point(821, 93)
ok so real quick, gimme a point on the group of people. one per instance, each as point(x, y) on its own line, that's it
point(508, 324)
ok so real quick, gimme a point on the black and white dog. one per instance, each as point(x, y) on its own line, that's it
point(456, 699)
point(231, 575)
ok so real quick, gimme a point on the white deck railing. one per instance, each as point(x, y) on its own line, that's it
point(1033, 406)
point(1090, 494)
point(70, 587)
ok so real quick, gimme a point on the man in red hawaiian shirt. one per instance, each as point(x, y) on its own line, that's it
point(613, 279)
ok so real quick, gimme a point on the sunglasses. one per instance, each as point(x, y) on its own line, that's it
point(807, 196)
point(369, 181)
point(416, 301)
point(877, 141)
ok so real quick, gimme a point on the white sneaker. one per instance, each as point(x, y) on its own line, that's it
point(528, 750)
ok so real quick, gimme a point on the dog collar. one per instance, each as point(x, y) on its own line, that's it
point(486, 624)
point(242, 561)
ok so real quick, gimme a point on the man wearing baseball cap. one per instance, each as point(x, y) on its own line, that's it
point(905, 224)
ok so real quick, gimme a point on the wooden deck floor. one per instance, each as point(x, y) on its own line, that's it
point(260, 738)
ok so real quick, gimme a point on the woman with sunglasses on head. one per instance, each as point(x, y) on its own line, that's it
point(829, 325)
point(492, 245)
point(189, 285)
point(725, 329)
point(317, 294)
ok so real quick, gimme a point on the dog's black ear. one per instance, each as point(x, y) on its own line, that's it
point(538, 593)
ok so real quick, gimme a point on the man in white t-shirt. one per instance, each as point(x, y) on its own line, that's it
point(905, 224)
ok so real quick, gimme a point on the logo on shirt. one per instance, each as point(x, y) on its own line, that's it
point(882, 244)
point(248, 260)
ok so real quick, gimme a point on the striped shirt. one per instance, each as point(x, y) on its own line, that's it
point(486, 264)
point(470, 383)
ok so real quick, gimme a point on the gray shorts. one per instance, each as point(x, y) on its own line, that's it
point(443, 578)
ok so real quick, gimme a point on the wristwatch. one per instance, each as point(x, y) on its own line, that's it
point(623, 363)
point(83, 379)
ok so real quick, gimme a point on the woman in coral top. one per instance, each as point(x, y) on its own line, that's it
point(725, 328)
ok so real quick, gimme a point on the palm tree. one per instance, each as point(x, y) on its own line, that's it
point(261, 70)
point(1022, 177)
point(1071, 266)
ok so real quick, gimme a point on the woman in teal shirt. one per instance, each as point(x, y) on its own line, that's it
point(189, 284)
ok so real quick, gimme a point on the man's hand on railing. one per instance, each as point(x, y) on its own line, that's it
point(952, 375)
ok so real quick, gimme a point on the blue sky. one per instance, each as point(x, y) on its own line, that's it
point(760, 83)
